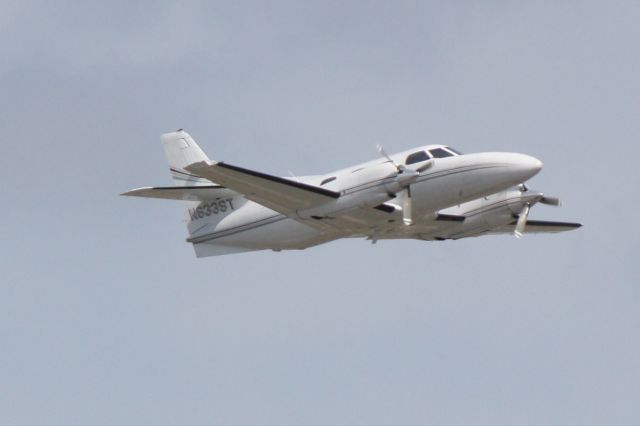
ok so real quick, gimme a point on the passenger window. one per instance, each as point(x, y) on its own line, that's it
point(440, 153)
point(417, 157)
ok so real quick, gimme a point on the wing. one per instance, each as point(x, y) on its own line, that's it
point(186, 193)
point(538, 227)
point(288, 196)
point(279, 194)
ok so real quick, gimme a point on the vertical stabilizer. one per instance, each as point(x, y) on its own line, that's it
point(182, 150)
point(204, 213)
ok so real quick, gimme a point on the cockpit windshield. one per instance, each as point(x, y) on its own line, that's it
point(420, 156)
point(440, 153)
point(453, 150)
point(443, 152)
point(417, 157)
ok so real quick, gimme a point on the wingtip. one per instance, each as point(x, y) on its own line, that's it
point(136, 191)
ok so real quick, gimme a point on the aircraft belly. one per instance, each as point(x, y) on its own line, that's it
point(281, 234)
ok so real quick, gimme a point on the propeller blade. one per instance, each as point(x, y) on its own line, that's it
point(401, 168)
point(382, 152)
point(522, 222)
point(407, 214)
point(552, 201)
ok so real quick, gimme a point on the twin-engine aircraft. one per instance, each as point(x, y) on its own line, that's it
point(429, 193)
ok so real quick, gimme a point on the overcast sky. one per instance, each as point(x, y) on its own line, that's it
point(107, 317)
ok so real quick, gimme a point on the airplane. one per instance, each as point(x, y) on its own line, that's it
point(430, 193)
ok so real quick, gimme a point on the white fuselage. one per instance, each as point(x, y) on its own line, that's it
point(428, 193)
point(449, 183)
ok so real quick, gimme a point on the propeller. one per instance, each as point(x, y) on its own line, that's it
point(401, 168)
point(405, 201)
point(540, 197)
point(551, 201)
point(529, 199)
point(522, 221)
point(404, 177)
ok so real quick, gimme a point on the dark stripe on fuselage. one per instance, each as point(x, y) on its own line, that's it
point(236, 229)
point(422, 178)
point(178, 188)
point(182, 172)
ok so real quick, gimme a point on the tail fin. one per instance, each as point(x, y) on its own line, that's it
point(205, 211)
point(182, 150)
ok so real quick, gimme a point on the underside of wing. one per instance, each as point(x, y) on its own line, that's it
point(279, 194)
point(184, 193)
point(539, 227)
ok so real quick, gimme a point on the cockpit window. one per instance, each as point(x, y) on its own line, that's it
point(440, 153)
point(417, 157)
point(455, 151)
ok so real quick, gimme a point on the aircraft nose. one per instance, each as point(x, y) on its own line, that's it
point(525, 166)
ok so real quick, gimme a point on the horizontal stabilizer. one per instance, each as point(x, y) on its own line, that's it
point(183, 193)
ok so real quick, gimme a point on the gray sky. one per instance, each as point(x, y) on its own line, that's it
point(106, 317)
